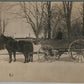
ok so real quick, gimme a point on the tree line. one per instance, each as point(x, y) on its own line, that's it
point(45, 18)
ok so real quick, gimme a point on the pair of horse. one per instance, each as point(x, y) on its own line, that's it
point(13, 46)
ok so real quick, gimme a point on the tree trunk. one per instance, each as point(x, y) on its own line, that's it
point(67, 5)
point(49, 18)
point(83, 20)
point(69, 26)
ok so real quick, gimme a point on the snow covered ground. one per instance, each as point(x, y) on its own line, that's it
point(64, 70)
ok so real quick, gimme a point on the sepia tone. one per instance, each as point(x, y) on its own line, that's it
point(42, 42)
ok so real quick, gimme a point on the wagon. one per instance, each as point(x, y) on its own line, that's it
point(74, 48)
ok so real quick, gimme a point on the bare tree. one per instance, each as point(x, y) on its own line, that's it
point(83, 20)
point(77, 29)
point(33, 14)
point(54, 16)
point(57, 19)
point(49, 18)
point(67, 6)
point(4, 20)
point(81, 11)
point(3, 23)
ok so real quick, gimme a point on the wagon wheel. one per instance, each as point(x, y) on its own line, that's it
point(76, 49)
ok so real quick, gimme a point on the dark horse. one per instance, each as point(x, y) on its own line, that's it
point(13, 46)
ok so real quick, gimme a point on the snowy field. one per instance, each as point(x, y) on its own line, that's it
point(64, 70)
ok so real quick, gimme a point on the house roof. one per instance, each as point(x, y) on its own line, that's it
point(20, 36)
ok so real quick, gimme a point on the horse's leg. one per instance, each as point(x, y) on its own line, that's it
point(31, 57)
point(25, 55)
point(27, 58)
point(14, 54)
point(10, 56)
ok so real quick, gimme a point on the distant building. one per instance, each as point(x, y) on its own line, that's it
point(23, 37)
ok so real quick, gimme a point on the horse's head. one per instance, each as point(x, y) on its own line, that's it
point(1, 35)
point(5, 39)
point(2, 41)
point(2, 38)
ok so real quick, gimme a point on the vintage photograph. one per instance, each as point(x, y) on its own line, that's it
point(42, 41)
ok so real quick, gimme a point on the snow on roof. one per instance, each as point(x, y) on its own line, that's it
point(20, 36)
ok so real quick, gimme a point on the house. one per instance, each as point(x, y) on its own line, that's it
point(23, 37)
